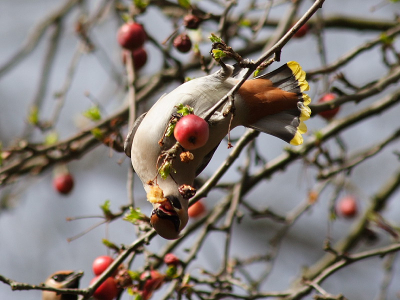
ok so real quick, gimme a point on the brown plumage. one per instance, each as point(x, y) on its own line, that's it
point(262, 98)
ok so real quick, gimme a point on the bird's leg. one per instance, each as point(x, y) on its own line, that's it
point(226, 71)
point(230, 109)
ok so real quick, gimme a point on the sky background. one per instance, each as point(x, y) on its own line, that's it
point(34, 233)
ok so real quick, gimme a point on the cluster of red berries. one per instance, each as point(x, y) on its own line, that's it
point(131, 37)
point(183, 42)
point(108, 290)
point(152, 280)
point(147, 282)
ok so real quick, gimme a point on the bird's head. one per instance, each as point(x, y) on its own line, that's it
point(170, 211)
point(62, 279)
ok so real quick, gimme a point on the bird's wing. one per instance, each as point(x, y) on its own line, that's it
point(279, 106)
point(206, 160)
point(131, 134)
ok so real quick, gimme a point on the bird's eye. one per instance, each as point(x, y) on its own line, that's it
point(175, 202)
point(60, 277)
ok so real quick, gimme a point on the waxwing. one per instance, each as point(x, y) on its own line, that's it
point(273, 103)
point(60, 280)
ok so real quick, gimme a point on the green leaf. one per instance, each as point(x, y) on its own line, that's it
point(184, 3)
point(256, 72)
point(171, 128)
point(171, 271)
point(126, 18)
point(33, 117)
point(93, 113)
point(196, 48)
point(184, 110)
point(130, 291)
point(106, 208)
point(333, 216)
point(97, 133)
point(134, 215)
point(372, 216)
point(215, 39)
point(186, 279)
point(51, 138)
point(134, 275)
point(141, 4)
point(245, 22)
point(318, 134)
point(110, 245)
point(166, 169)
point(387, 40)
point(134, 293)
point(218, 54)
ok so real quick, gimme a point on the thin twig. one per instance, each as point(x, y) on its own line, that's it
point(273, 50)
point(36, 35)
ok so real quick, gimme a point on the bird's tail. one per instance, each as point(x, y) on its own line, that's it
point(277, 103)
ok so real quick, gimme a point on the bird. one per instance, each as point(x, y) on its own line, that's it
point(62, 279)
point(273, 103)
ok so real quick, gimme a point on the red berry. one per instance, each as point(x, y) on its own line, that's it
point(131, 36)
point(303, 30)
point(183, 43)
point(171, 259)
point(139, 57)
point(347, 206)
point(196, 209)
point(63, 183)
point(101, 263)
point(153, 282)
point(191, 21)
point(191, 132)
point(328, 114)
point(107, 290)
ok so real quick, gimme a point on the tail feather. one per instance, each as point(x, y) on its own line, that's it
point(283, 107)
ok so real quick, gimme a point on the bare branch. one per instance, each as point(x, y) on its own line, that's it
point(36, 35)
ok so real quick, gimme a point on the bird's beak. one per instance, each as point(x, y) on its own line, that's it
point(72, 280)
point(168, 218)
